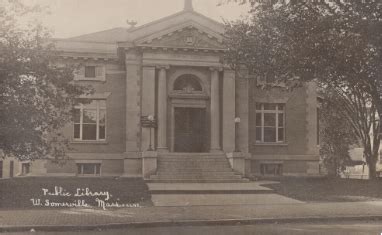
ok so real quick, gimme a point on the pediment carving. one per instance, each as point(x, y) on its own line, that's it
point(185, 38)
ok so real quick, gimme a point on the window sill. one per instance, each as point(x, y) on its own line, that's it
point(271, 144)
point(88, 142)
point(90, 79)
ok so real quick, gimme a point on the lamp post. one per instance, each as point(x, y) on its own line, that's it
point(237, 122)
point(151, 119)
point(149, 122)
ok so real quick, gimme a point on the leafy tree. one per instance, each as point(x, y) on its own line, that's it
point(36, 93)
point(336, 44)
point(336, 134)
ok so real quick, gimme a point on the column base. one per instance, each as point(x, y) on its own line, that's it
point(132, 165)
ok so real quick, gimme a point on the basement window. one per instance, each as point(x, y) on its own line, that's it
point(89, 169)
point(271, 169)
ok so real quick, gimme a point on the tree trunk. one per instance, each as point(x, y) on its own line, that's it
point(373, 166)
point(373, 155)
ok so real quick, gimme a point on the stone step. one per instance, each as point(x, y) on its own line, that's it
point(243, 180)
point(177, 170)
point(195, 177)
point(225, 174)
point(206, 170)
point(195, 167)
point(192, 160)
point(192, 155)
point(197, 164)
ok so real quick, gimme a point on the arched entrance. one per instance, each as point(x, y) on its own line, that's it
point(189, 113)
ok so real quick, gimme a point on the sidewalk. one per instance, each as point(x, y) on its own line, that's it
point(77, 219)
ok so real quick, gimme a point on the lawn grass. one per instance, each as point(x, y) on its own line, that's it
point(329, 190)
point(17, 193)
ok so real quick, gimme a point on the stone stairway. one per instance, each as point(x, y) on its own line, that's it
point(195, 167)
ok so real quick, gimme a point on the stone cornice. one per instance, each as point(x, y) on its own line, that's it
point(181, 49)
point(219, 69)
point(88, 56)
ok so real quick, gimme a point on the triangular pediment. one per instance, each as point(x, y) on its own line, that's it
point(188, 36)
point(184, 29)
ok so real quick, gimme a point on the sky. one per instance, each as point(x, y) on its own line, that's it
point(68, 18)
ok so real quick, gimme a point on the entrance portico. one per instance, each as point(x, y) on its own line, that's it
point(184, 84)
point(190, 108)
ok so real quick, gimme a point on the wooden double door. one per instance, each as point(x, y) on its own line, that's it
point(190, 130)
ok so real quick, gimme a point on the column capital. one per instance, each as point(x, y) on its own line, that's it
point(219, 69)
point(148, 67)
point(163, 67)
point(229, 71)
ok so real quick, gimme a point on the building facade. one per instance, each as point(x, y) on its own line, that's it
point(163, 93)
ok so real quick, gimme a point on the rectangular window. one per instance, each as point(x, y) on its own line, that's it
point(90, 121)
point(90, 71)
point(89, 169)
point(270, 123)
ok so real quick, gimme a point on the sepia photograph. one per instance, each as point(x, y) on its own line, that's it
point(148, 117)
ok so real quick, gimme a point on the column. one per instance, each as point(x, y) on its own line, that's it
point(243, 89)
point(132, 161)
point(162, 108)
point(229, 111)
point(215, 110)
point(148, 103)
point(133, 98)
